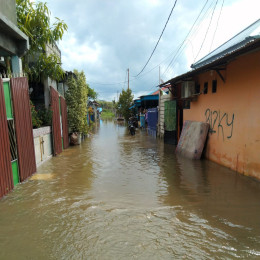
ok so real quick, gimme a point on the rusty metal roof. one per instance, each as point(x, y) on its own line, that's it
point(239, 41)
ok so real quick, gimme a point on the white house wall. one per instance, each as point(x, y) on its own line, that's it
point(42, 144)
point(161, 130)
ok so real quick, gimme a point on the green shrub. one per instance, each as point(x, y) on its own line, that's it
point(107, 113)
point(76, 99)
point(36, 121)
point(45, 115)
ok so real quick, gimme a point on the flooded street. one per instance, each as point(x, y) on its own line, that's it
point(129, 197)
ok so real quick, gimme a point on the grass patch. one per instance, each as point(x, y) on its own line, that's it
point(106, 113)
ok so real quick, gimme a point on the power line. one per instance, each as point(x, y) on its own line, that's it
point(135, 77)
point(125, 77)
point(217, 25)
point(125, 81)
point(154, 67)
point(106, 84)
point(181, 45)
point(206, 31)
point(158, 40)
point(203, 17)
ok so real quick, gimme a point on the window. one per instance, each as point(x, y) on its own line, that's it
point(205, 90)
point(197, 88)
point(214, 86)
point(12, 139)
point(186, 104)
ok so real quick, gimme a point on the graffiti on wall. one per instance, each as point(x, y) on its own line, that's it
point(220, 123)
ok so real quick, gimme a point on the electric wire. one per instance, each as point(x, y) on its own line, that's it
point(125, 78)
point(158, 40)
point(216, 25)
point(181, 46)
point(206, 31)
point(204, 16)
point(106, 84)
point(178, 47)
point(133, 77)
point(143, 74)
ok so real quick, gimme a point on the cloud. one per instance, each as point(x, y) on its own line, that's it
point(106, 37)
point(235, 16)
point(79, 55)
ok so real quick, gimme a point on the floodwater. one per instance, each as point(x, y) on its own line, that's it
point(129, 197)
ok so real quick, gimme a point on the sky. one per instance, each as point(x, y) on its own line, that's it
point(106, 37)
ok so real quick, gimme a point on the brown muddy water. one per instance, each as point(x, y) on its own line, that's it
point(129, 197)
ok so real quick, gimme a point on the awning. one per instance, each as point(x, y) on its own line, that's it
point(150, 97)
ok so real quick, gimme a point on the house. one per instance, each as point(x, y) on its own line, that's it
point(16, 138)
point(93, 113)
point(13, 42)
point(223, 89)
point(153, 105)
point(48, 95)
point(40, 92)
point(166, 128)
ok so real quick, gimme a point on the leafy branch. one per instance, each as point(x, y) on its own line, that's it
point(34, 20)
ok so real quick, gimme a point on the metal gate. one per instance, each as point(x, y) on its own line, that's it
point(56, 122)
point(152, 119)
point(170, 122)
point(23, 127)
point(11, 130)
point(6, 178)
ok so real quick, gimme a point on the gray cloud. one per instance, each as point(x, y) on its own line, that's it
point(107, 37)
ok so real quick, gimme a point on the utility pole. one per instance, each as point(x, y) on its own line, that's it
point(159, 75)
point(117, 95)
point(159, 108)
point(128, 78)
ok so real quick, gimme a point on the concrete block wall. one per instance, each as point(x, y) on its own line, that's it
point(8, 8)
point(42, 144)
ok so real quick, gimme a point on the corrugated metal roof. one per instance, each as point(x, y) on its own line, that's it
point(164, 89)
point(149, 97)
point(248, 35)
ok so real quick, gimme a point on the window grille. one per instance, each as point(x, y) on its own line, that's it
point(205, 90)
point(12, 139)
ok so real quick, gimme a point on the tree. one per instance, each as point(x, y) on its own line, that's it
point(76, 98)
point(34, 20)
point(92, 93)
point(124, 102)
point(106, 104)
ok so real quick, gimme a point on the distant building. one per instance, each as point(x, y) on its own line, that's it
point(93, 113)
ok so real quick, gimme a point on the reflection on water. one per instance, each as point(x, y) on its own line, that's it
point(129, 197)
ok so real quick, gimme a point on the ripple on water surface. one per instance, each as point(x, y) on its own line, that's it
point(123, 197)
